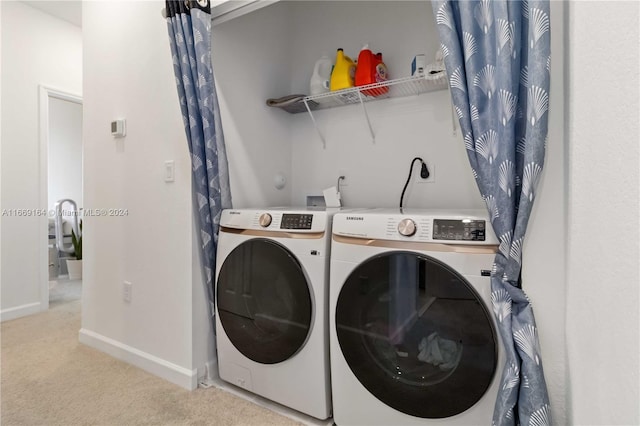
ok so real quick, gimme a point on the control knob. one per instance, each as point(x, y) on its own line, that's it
point(265, 220)
point(407, 227)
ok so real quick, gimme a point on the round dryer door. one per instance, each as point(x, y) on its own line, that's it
point(416, 335)
point(264, 303)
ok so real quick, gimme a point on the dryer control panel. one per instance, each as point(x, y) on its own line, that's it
point(459, 230)
point(296, 221)
point(274, 219)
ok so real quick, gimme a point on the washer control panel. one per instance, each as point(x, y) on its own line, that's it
point(465, 227)
point(459, 230)
point(296, 221)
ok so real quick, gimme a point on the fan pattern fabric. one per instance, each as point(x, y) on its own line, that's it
point(189, 24)
point(497, 55)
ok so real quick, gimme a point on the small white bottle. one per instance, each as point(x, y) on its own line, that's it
point(321, 76)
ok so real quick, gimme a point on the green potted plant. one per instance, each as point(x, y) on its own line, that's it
point(74, 266)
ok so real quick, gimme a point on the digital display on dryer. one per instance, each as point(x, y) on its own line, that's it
point(296, 221)
point(459, 230)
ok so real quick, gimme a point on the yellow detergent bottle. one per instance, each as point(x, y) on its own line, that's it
point(343, 72)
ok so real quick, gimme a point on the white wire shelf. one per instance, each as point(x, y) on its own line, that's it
point(401, 87)
point(397, 88)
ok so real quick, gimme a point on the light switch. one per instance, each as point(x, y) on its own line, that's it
point(169, 171)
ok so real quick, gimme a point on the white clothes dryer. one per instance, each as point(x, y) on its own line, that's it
point(412, 337)
point(271, 291)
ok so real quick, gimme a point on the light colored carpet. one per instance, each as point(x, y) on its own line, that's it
point(49, 378)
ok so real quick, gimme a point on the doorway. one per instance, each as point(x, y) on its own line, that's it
point(61, 193)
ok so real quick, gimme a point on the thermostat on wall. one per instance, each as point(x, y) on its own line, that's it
point(118, 128)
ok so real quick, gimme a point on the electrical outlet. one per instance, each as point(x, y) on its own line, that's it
point(127, 288)
point(432, 174)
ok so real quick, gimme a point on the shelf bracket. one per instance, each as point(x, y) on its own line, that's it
point(366, 114)
point(315, 124)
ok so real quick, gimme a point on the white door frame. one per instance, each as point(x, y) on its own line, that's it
point(46, 93)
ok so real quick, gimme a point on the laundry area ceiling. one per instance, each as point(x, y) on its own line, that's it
point(70, 10)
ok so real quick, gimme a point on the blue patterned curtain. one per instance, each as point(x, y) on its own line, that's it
point(497, 55)
point(189, 24)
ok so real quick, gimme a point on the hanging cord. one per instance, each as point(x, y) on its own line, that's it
point(424, 174)
point(338, 189)
point(338, 184)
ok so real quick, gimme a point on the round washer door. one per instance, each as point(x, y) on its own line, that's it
point(264, 303)
point(416, 335)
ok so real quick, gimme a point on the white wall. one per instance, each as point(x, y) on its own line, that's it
point(65, 151)
point(129, 74)
point(404, 128)
point(602, 288)
point(36, 49)
point(544, 251)
point(251, 64)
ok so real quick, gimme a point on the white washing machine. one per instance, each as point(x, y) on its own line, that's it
point(412, 336)
point(272, 283)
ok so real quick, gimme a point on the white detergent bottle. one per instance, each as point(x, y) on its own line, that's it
point(321, 76)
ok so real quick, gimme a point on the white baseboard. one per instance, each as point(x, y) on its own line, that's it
point(20, 311)
point(180, 376)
